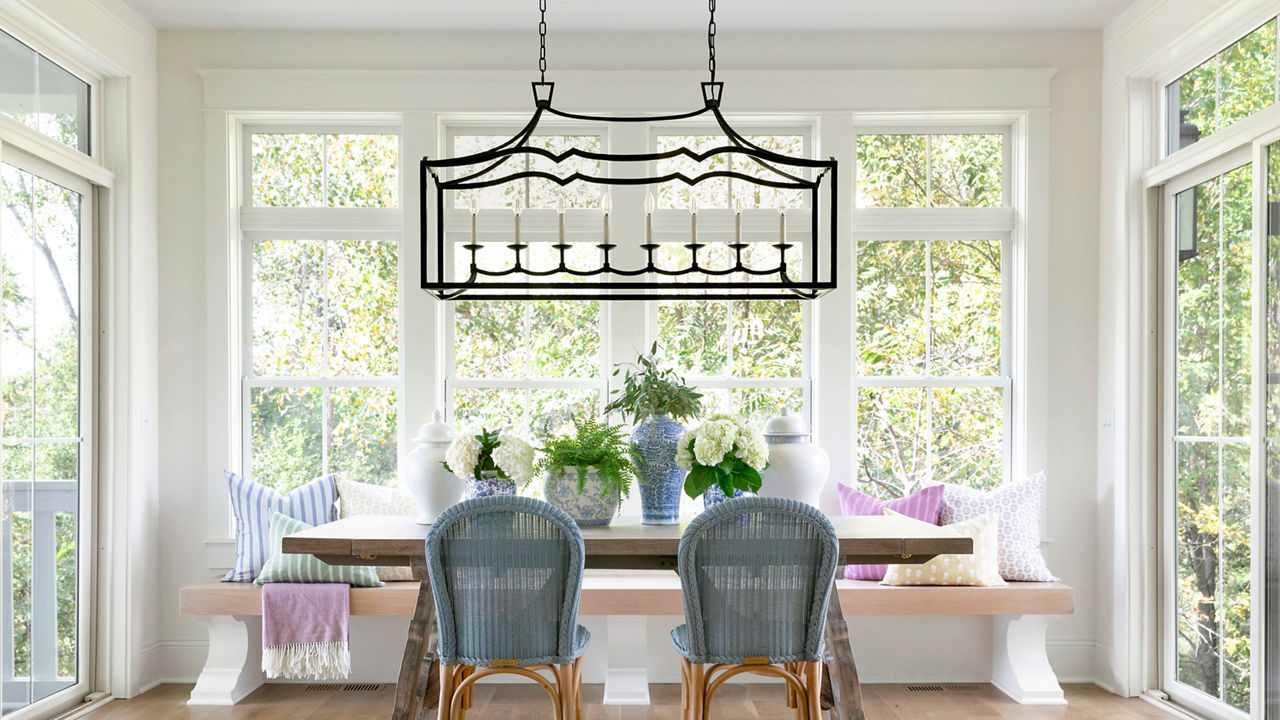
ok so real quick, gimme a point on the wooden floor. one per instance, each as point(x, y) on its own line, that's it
point(733, 702)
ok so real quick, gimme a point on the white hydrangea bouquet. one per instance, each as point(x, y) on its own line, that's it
point(724, 450)
point(505, 453)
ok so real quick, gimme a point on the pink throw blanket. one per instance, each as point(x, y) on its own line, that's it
point(305, 631)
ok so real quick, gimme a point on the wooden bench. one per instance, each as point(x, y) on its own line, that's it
point(1021, 613)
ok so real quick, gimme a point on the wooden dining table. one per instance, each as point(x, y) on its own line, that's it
point(626, 544)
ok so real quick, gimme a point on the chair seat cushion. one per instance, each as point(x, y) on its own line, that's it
point(581, 638)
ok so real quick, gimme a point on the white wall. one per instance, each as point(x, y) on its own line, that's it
point(1149, 40)
point(114, 42)
point(190, 422)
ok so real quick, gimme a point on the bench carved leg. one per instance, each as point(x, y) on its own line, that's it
point(417, 688)
point(233, 668)
point(841, 691)
point(1020, 666)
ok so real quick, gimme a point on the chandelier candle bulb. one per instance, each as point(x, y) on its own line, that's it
point(516, 208)
point(560, 213)
point(782, 224)
point(605, 205)
point(475, 211)
point(648, 219)
point(693, 220)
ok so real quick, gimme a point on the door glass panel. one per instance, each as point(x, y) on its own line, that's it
point(1212, 424)
point(40, 369)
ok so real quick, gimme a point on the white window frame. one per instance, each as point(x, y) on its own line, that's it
point(288, 223)
point(1004, 224)
point(534, 221)
point(806, 127)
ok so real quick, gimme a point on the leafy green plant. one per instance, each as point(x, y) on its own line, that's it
point(479, 454)
point(592, 445)
point(726, 451)
point(650, 390)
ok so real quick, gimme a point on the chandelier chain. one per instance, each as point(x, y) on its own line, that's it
point(711, 39)
point(542, 39)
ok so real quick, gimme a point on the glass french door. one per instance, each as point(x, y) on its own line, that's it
point(1220, 499)
point(45, 413)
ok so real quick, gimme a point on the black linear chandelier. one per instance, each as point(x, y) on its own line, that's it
point(788, 268)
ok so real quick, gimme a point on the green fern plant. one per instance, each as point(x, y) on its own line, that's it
point(593, 444)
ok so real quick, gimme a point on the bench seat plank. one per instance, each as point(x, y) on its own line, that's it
point(658, 593)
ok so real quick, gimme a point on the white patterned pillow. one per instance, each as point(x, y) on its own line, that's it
point(1018, 505)
point(357, 498)
point(981, 568)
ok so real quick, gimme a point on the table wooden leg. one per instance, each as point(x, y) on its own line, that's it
point(841, 691)
point(418, 686)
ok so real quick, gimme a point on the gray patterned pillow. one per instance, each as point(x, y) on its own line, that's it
point(1018, 505)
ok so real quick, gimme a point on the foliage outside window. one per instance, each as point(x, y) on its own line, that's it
point(929, 336)
point(1213, 424)
point(322, 352)
point(1221, 91)
point(42, 95)
point(919, 171)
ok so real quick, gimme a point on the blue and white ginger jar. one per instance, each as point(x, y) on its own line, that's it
point(488, 484)
point(714, 496)
point(653, 444)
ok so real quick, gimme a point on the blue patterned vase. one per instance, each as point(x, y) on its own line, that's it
point(593, 507)
point(488, 484)
point(661, 480)
point(714, 496)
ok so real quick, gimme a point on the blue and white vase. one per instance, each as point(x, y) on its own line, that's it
point(661, 480)
point(593, 507)
point(714, 496)
point(487, 484)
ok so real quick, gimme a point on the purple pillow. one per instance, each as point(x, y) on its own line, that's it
point(924, 505)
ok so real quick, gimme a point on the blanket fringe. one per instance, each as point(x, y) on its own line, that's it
point(308, 661)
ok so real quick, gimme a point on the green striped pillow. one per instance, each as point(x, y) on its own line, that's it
point(298, 568)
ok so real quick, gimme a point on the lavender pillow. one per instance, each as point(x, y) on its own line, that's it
point(923, 505)
point(1018, 504)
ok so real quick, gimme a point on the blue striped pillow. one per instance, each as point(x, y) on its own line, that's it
point(252, 503)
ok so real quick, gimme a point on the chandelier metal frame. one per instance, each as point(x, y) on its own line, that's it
point(606, 281)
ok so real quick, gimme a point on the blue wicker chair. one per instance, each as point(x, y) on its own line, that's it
point(757, 575)
point(506, 573)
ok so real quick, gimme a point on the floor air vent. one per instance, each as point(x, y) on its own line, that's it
point(963, 688)
point(349, 688)
point(925, 688)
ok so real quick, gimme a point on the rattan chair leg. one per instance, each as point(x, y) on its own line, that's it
point(564, 683)
point(446, 691)
point(813, 689)
point(697, 691)
point(577, 690)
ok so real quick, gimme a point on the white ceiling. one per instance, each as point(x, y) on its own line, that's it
point(633, 15)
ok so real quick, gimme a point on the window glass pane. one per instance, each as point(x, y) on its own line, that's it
point(286, 436)
point(362, 170)
point(965, 170)
point(17, 251)
point(893, 440)
point(767, 337)
point(1226, 88)
point(943, 170)
point(315, 170)
point(56, 305)
point(64, 106)
point(891, 308)
point(532, 192)
point(967, 436)
point(537, 412)
point(18, 81)
point(760, 404)
point(487, 339)
point(288, 170)
point(362, 434)
point(1213, 569)
point(711, 193)
point(42, 95)
point(563, 338)
point(288, 308)
point(1214, 288)
point(965, 308)
point(892, 171)
point(363, 308)
point(694, 336)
